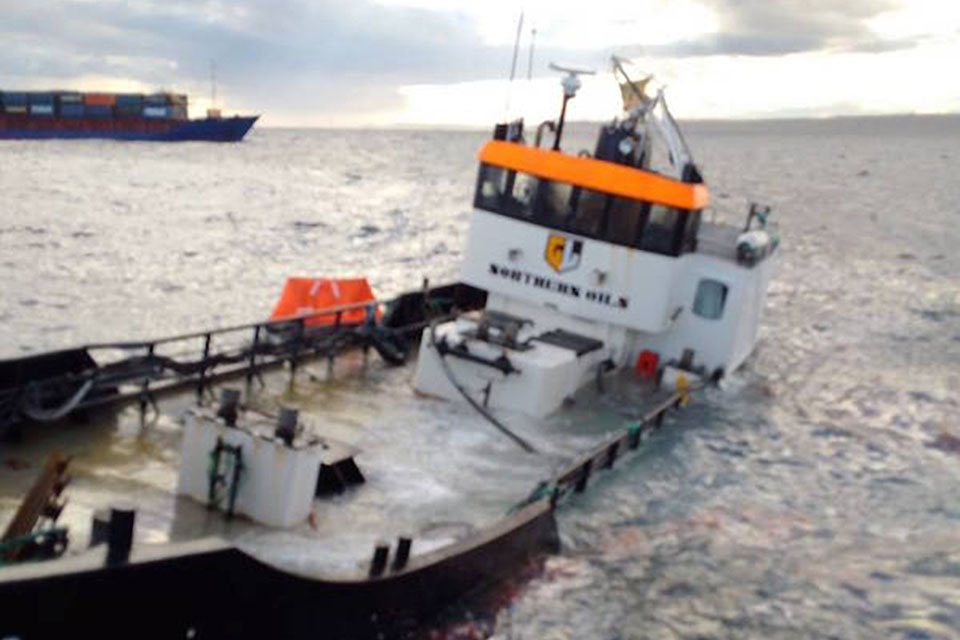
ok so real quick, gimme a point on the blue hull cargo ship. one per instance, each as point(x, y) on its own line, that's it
point(118, 116)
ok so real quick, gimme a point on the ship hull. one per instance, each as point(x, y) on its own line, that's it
point(205, 129)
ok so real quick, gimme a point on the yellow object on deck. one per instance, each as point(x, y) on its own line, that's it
point(684, 388)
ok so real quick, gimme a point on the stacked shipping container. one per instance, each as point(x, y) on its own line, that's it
point(72, 104)
point(41, 104)
point(15, 102)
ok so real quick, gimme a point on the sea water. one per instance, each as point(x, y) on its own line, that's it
point(816, 495)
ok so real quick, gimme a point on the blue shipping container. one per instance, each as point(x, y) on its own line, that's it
point(71, 110)
point(71, 98)
point(15, 98)
point(129, 99)
point(98, 110)
point(157, 99)
point(41, 109)
point(41, 98)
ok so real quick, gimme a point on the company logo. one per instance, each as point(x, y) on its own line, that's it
point(563, 253)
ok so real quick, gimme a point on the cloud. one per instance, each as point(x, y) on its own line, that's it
point(326, 62)
point(278, 56)
point(765, 28)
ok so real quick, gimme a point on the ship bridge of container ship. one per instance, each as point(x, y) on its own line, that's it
point(591, 262)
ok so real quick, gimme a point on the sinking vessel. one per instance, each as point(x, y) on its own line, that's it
point(593, 263)
point(594, 300)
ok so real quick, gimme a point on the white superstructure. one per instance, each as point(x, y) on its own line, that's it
point(590, 262)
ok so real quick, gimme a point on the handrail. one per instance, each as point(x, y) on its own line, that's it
point(142, 344)
point(651, 417)
point(575, 475)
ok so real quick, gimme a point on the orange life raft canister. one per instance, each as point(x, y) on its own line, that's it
point(303, 296)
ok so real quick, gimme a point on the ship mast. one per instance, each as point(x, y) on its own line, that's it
point(213, 84)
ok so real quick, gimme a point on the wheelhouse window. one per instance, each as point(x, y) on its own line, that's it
point(592, 214)
point(660, 234)
point(593, 208)
point(522, 203)
point(626, 222)
point(710, 299)
point(504, 191)
point(557, 204)
point(494, 188)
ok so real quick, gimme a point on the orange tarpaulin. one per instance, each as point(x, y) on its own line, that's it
point(307, 295)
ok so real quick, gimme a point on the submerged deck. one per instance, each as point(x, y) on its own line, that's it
point(435, 470)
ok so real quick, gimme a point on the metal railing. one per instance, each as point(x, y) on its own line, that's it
point(147, 367)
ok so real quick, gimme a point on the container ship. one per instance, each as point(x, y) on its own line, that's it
point(118, 116)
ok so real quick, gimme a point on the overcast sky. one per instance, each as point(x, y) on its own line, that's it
point(414, 62)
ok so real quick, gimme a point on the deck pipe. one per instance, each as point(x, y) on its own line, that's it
point(229, 404)
point(202, 382)
point(287, 425)
point(99, 527)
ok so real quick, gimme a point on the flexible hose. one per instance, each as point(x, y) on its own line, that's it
point(523, 444)
point(49, 415)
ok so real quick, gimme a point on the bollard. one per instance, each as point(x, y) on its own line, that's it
point(381, 553)
point(403, 553)
point(120, 534)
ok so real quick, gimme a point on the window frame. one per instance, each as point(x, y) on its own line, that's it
point(682, 234)
point(723, 299)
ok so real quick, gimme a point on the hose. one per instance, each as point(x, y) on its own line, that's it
point(50, 415)
point(523, 444)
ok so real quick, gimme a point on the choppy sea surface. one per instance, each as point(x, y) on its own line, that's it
point(817, 495)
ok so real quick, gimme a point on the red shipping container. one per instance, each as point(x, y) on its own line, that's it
point(100, 99)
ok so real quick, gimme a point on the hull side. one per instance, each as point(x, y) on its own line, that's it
point(205, 129)
point(209, 589)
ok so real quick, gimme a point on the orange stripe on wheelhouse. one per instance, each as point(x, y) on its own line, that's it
point(598, 175)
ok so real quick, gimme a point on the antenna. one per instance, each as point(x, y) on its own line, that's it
point(533, 41)
point(213, 83)
point(513, 66)
point(571, 84)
